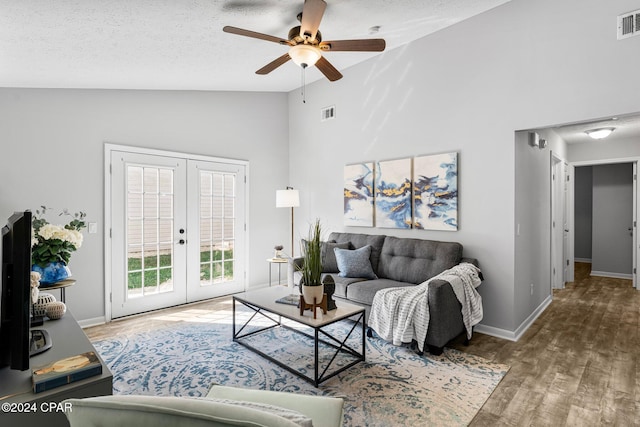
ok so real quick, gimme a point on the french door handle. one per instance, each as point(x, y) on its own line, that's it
point(182, 241)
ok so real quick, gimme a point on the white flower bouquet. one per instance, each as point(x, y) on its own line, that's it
point(55, 243)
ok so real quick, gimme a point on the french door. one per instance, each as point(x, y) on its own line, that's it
point(177, 231)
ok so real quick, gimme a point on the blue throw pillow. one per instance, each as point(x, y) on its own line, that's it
point(355, 263)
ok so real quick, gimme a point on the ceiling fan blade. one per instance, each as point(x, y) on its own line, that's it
point(312, 12)
point(273, 64)
point(253, 34)
point(328, 70)
point(363, 45)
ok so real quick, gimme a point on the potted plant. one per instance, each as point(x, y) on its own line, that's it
point(52, 245)
point(311, 269)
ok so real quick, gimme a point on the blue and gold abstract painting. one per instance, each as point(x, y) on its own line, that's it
point(358, 195)
point(435, 192)
point(393, 194)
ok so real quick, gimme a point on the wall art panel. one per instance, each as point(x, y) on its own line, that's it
point(358, 194)
point(435, 192)
point(393, 194)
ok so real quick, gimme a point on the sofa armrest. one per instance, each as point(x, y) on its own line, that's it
point(473, 261)
point(445, 312)
point(324, 411)
point(292, 266)
point(158, 411)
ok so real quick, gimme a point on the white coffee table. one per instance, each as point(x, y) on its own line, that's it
point(264, 306)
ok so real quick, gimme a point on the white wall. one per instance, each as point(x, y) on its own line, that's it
point(468, 88)
point(604, 150)
point(52, 154)
point(533, 220)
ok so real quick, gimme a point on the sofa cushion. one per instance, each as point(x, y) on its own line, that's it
point(342, 283)
point(416, 260)
point(327, 255)
point(363, 292)
point(329, 263)
point(355, 262)
point(359, 240)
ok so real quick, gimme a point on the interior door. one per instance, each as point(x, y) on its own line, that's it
point(216, 229)
point(557, 223)
point(148, 213)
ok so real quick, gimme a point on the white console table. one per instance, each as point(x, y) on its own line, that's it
point(68, 339)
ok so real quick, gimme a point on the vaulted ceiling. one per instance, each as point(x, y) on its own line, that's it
point(179, 44)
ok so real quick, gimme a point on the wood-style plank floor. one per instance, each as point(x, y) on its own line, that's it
point(577, 365)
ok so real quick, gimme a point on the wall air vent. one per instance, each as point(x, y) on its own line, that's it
point(328, 113)
point(628, 24)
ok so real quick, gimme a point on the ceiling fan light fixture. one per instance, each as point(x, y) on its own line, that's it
point(304, 55)
point(600, 133)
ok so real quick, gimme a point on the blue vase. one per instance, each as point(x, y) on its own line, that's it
point(52, 272)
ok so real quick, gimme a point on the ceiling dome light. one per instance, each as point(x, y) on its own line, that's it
point(600, 133)
point(304, 55)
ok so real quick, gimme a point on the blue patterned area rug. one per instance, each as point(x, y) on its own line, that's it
point(395, 386)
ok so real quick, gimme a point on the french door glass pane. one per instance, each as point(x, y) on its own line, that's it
point(150, 222)
point(217, 240)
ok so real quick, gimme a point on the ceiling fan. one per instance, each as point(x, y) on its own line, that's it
point(306, 45)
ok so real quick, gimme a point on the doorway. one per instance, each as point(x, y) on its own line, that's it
point(605, 218)
point(177, 229)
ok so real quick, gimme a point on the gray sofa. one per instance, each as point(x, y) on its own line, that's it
point(399, 262)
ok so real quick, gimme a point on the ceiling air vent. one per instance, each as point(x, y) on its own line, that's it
point(328, 113)
point(628, 24)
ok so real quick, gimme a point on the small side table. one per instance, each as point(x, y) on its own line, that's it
point(279, 262)
point(59, 285)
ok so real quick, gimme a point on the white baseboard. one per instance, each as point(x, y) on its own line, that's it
point(585, 260)
point(494, 332)
point(87, 323)
point(514, 335)
point(612, 275)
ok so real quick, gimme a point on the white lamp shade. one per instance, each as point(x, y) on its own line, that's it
point(289, 198)
point(304, 54)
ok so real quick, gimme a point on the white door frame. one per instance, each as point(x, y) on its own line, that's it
point(636, 207)
point(561, 271)
point(108, 149)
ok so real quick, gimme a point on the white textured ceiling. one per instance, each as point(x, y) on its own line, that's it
point(179, 44)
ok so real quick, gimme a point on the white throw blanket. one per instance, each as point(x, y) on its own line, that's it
point(400, 315)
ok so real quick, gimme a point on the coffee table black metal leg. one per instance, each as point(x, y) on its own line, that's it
point(317, 360)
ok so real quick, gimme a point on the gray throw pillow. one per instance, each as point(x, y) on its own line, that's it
point(329, 263)
point(355, 263)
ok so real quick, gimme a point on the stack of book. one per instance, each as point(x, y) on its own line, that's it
point(66, 371)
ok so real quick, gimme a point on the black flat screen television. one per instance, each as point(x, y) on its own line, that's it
point(17, 341)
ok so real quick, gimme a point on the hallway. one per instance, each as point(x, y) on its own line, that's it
point(577, 365)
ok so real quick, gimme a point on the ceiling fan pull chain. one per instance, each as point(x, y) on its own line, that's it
point(304, 84)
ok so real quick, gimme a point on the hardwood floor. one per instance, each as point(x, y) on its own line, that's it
point(578, 364)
